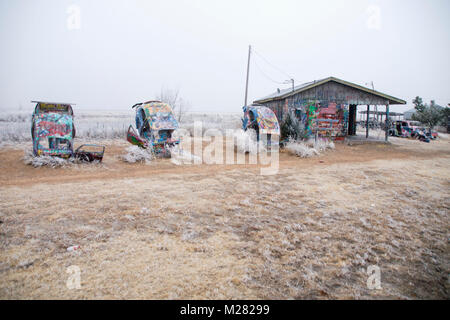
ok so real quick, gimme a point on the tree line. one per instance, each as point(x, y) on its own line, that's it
point(430, 114)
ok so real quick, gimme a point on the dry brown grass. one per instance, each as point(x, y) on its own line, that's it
point(226, 232)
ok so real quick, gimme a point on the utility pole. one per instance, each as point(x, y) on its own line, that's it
point(248, 72)
point(291, 81)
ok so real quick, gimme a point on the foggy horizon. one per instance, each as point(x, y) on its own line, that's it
point(109, 55)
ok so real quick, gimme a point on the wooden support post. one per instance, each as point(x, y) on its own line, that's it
point(378, 116)
point(387, 122)
point(367, 122)
point(352, 120)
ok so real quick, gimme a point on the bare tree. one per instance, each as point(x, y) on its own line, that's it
point(172, 97)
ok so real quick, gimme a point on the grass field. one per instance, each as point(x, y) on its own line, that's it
point(166, 231)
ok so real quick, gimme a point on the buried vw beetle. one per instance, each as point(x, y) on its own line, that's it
point(53, 132)
point(262, 120)
point(155, 124)
point(52, 129)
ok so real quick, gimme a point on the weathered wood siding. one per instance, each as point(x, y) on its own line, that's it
point(328, 92)
point(279, 107)
point(339, 93)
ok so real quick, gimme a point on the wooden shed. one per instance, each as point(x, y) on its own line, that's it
point(328, 105)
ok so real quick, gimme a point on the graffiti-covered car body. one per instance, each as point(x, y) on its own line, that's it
point(420, 134)
point(52, 129)
point(90, 153)
point(262, 119)
point(412, 129)
point(53, 132)
point(413, 125)
point(431, 134)
point(155, 124)
point(401, 129)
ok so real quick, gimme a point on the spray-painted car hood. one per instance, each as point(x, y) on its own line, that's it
point(160, 116)
point(265, 118)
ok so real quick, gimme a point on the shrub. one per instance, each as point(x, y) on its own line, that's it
point(292, 128)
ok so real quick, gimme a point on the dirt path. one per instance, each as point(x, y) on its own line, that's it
point(14, 172)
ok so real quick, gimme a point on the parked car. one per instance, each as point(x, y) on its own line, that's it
point(262, 120)
point(400, 129)
point(412, 129)
point(155, 124)
point(419, 131)
point(414, 124)
point(53, 132)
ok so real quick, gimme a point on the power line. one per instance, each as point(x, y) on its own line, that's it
point(265, 75)
point(273, 66)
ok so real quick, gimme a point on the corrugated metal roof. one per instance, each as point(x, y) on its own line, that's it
point(285, 93)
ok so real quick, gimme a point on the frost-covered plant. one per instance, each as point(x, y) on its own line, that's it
point(15, 132)
point(300, 149)
point(40, 161)
point(322, 145)
point(135, 154)
point(180, 156)
point(309, 148)
point(292, 128)
point(245, 141)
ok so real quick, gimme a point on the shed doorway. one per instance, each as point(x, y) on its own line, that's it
point(352, 120)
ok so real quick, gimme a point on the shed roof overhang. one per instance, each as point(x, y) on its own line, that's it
point(288, 93)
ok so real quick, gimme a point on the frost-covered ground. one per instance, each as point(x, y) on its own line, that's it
point(95, 125)
point(171, 231)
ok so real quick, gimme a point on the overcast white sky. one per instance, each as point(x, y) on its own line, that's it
point(122, 52)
